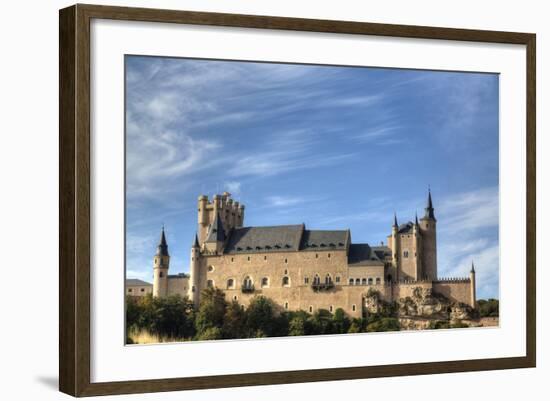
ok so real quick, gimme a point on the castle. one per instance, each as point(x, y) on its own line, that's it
point(306, 269)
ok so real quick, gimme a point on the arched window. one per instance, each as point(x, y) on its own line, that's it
point(210, 268)
point(317, 279)
point(209, 283)
point(310, 309)
point(286, 281)
point(230, 283)
point(330, 308)
point(247, 283)
point(353, 307)
point(350, 281)
point(378, 280)
point(265, 282)
point(161, 274)
point(286, 305)
point(370, 280)
point(357, 281)
point(364, 282)
point(328, 279)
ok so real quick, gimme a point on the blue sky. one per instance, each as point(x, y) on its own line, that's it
point(331, 147)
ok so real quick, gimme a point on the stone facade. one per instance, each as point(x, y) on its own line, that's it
point(307, 269)
point(138, 288)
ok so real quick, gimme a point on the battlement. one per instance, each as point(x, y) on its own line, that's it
point(452, 280)
point(230, 212)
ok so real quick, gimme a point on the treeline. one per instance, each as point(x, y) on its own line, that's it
point(173, 317)
point(487, 307)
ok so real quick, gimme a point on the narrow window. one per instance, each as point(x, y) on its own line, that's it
point(364, 281)
point(353, 307)
point(330, 308)
point(265, 282)
point(310, 309)
point(265, 257)
point(378, 280)
point(316, 255)
point(357, 281)
point(328, 279)
point(286, 260)
point(248, 258)
point(337, 279)
point(286, 271)
point(129, 290)
point(161, 274)
point(329, 255)
point(306, 280)
point(286, 281)
point(370, 280)
point(210, 284)
point(210, 268)
point(235, 298)
point(350, 281)
point(230, 283)
point(232, 260)
point(405, 254)
point(317, 279)
point(286, 305)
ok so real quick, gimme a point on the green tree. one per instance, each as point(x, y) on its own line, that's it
point(173, 317)
point(384, 324)
point(355, 326)
point(210, 333)
point(234, 321)
point(321, 322)
point(488, 308)
point(340, 321)
point(260, 316)
point(211, 310)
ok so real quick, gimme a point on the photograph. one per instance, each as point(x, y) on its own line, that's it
point(271, 199)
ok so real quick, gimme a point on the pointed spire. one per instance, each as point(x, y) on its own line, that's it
point(395, 219)
point(216, 232)
point(429, 207)
point(473, 270)
point(162, 247)
point(416, 218)
point(196, 242)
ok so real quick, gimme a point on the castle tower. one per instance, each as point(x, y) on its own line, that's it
point(394, 248)
point(473, 300)
point(229, 212)
point(161, 263)
point(417, 248)
point(429, 249)
point(194, 288)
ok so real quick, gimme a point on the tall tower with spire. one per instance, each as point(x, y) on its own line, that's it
point(161, 263)
point(473, 299)
point(194, 288)
point(429, 244)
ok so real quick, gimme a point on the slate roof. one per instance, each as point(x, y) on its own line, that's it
point(179, 275)
point(406, 228)
point(216, 232)
point(136, 282)
point(162, 247)
point(265, 239)
point(364, 255)
point(325, 239)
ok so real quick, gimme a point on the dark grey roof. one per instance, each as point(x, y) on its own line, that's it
point(265, 239)
point(216, 232)
point(179, 275)
point(137, 282)
point(381, 251)
point(363, 255)
point(406, 228)
point(324, 239)
point(429, 210)
point(196, 242)
point(162, 247)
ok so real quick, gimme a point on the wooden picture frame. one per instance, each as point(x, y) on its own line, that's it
point(74, 203)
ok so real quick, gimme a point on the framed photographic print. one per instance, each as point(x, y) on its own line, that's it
point(238, 189)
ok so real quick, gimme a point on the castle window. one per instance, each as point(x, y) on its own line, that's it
point(350, 281)
point(193, 289)
point(329, 255)
point(235, 298)
point(247, 283)
point(364, 281)
point(286, 281)
point(286, 260)
point(378, 281)
point(286, 271)
point(142, 289)
point(328, 279)
point(353, 307)
point(129, 290)
point(337, 279)
point(306, 280)
point(265, 257)
point(357, 281)
point(265, 282)
point(330, 308)
point(317, 279)
point(286, 305)
point(232, 260)
point(230, 283)
point(248, 258)
point(161, 274)
point(405, 254)
point(210, 268)
point(370, 280)
point(209, 283)
point(316, 255)
point(310, 309)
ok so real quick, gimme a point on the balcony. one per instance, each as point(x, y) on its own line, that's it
point(247, 289)
point(322, 286)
